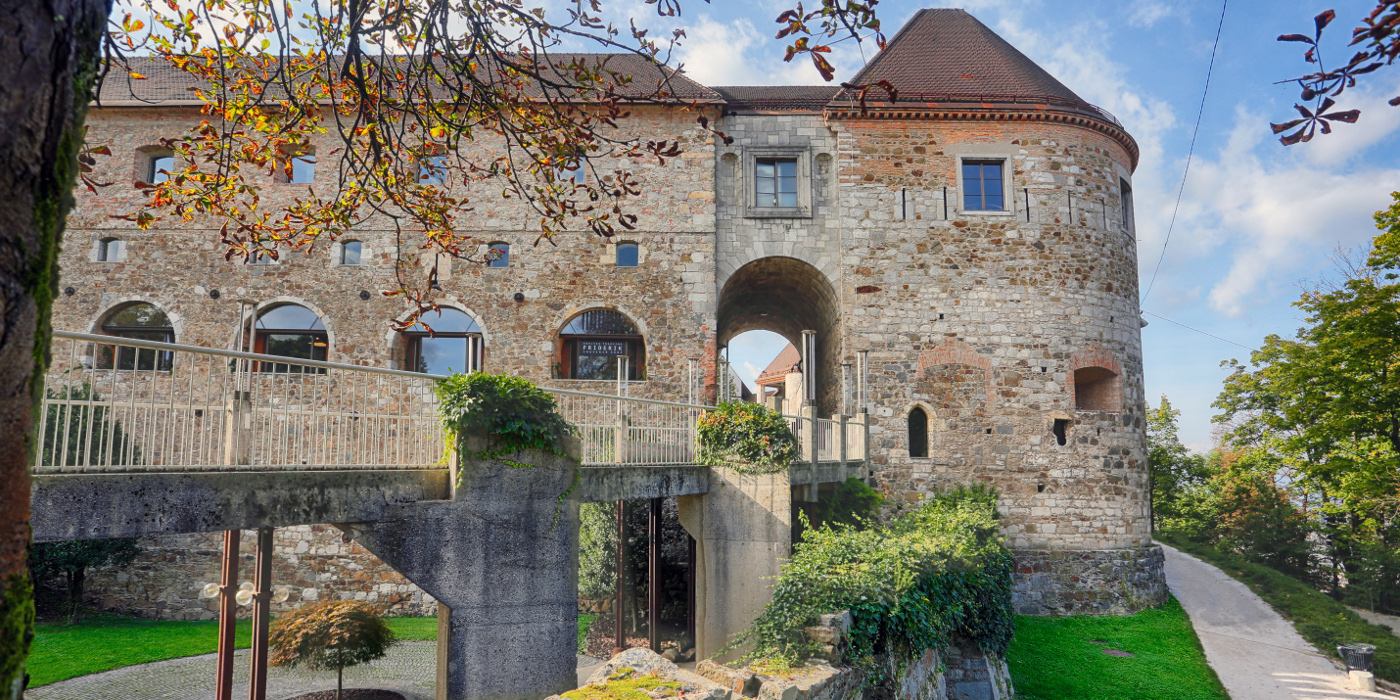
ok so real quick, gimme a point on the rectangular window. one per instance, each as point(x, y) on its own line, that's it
point(158, 169)
point(775, 182)
point(1125, 197)
point(982, 185)
point(575, 172)
point(303, 169)
point(432, 170)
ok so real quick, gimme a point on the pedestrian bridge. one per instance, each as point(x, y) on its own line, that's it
point(142, 437)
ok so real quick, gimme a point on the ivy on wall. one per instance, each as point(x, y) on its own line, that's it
point(934, 574)
point(746, 437)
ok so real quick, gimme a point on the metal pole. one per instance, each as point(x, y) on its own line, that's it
point(809, 361)
point(262, 601)
point(654, 575)
point(845, 388)
point(863, 382)
point(620, 637)
point(228, 618)
point(690, 588)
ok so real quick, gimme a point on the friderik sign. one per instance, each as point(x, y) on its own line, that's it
point(602, 348)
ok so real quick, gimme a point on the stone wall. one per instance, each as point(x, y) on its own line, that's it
point(1088, 582)
point(315, 563)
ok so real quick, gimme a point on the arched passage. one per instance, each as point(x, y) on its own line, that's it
point(787, 296)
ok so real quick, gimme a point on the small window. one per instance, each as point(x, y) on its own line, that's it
point(499, 255)
point(983, 185)
point(1125, 199)
point(350, 252)
point(1096, 389)
point(303, 169)
point(575, 171)
point(261, 257)
point(158, 168)
point(918, 433)
point(432, 170)
point(627, 255)
point(775, 182)
point(137, 321)
point(109, 250)
point(290, 331)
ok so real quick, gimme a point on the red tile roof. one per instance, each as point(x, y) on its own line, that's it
point(787, 361)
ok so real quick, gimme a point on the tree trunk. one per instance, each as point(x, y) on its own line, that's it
point(48, 57)
point(339, 681)
point(76, 579)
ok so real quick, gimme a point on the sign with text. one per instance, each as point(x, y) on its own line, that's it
point(602, 348)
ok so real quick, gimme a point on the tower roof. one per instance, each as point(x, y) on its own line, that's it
point(947, 53)
point(787, 361)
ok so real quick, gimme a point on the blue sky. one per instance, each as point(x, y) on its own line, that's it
point(1257, 219)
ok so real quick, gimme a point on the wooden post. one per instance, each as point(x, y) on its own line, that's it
point(228, 618)
point(654, 575)
point(262, 601)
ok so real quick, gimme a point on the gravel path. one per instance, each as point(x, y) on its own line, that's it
point(1257, 654)
point(410, 668)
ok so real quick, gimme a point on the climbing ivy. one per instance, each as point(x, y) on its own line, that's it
point(937, 573)
point(746, 437)
point(512, 414)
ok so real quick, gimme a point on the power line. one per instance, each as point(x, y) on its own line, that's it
point(1164, 318)
point(1181, 190)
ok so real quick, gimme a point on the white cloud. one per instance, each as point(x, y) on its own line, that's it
point(1146, 13)
point(736, 53)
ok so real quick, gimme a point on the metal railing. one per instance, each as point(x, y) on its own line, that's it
point(125, 405)
point(120, 404)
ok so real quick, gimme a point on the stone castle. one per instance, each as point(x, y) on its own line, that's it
point(973, 242)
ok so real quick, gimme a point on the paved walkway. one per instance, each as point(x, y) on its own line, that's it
point(1257, 654)
point(410, 668)
point(1391, 621)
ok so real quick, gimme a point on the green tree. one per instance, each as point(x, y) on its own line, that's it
point(333, 634)
point(71, 560)
point(1327, 403)
point(1172, 469)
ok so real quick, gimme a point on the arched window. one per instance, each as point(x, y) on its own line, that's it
point(138, 321)
point(453, 344)
point(109, 250)
point(290, 331)
point(350, 252)
point(918, 432)
point(1096, 389)
point(591, 343)
point(627, 255)
point(500, 255)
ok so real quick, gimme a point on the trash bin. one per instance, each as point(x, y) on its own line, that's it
point(1357, 656)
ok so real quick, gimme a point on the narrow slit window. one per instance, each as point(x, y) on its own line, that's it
point(918, 433)
point(983, 185)
point(775, 182)
point(1125, 199)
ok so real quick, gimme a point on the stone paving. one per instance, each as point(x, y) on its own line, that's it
point(410, 668)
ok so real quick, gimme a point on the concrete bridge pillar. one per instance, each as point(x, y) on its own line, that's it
point(743, 534)
point(501, 558)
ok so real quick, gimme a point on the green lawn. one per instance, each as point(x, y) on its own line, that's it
point(1062, 658)
point(1322, 621)
point(102, 643)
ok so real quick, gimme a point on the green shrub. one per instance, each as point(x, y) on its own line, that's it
point(512, 413)
point(938, 572)
point(747, 437)
point(597, 550)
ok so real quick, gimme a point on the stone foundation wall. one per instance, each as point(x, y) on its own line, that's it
point(1089, 582)
point(313, 562)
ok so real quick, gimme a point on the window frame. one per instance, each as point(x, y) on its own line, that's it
point(112, 357)
point(359, 253)
point(747, 181)
point(261, 336)
point(1008, 204)
point(636, 254)
point(504, 260)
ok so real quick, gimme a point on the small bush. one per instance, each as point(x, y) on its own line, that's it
point(747, 437)
point(334, 634)
point(514, 414)
point(938, 572)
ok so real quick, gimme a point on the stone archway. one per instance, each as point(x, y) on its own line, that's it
point(787, 296)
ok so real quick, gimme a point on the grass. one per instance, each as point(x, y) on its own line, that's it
point(584, 622)
point(104, 642)
point(1057, 658)
point(1322, 621)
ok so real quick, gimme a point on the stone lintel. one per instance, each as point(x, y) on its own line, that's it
point(606, 484)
